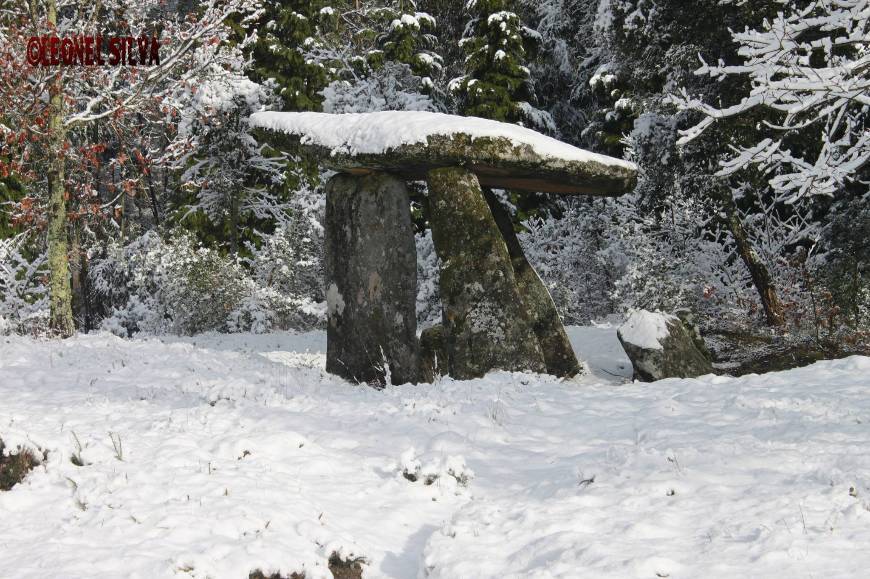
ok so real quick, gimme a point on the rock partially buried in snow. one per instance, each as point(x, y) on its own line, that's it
point(659, 346)
point(410, 143)
point(645, 329)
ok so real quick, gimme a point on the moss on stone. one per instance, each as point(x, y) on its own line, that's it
point(484, 317)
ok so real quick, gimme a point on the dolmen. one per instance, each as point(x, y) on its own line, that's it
point(497, 313)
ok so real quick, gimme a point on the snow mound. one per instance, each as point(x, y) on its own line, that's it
point(377, 133)
point(449, 472)
point(645, 329)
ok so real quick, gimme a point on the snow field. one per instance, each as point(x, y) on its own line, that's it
point(232, 453)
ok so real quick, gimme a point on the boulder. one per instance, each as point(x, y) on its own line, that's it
point(660, 346)
point(483, 314)
point(690, 322)
point(371, 278)
point(558, 352)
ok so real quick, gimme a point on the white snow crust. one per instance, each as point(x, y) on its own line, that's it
point(238, 452)
point(377, 133)
point(645, 329)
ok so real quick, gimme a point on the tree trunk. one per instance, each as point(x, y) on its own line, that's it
point(757, 269)
point(81, 298)
point(234, 224)
point(61, 320)
point(124, 201)
point(155, 206)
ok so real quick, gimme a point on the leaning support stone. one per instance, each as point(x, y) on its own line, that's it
point(484, 316)
point(558, 352)
point(371, 278)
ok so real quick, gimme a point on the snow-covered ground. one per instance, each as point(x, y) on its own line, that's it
point(212, 456)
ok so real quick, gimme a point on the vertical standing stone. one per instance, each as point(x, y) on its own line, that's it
point(484, 316)
point(371, 279)
point(558, 352)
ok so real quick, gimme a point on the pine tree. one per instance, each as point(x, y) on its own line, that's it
point(284, 30)
point(409, 39)
point(566, 58)
point(233, 182)
point(648, 48)
point(497, 81)
point(382, 58)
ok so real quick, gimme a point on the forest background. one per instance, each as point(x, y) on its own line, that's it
point(137, 200)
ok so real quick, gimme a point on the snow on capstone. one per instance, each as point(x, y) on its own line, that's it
point(645, 329)
point(379, 132)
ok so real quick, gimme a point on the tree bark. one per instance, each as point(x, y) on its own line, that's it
point(757, 269)
point(155, 206)
point(234, 224)
point(61, 318)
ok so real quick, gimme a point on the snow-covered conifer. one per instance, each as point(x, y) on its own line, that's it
point(497, 81)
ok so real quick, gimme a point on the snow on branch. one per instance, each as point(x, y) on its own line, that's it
point(811, 68)
point(189, 48)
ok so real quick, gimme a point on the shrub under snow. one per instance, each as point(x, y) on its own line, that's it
point(179, 287)
point(23, 295)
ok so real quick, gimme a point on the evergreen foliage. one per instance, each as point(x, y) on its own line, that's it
point(409, 39)
point(497, 81)
point(285, 31)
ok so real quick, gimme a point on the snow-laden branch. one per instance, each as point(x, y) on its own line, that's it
point(810, 67)
point(188, 47)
